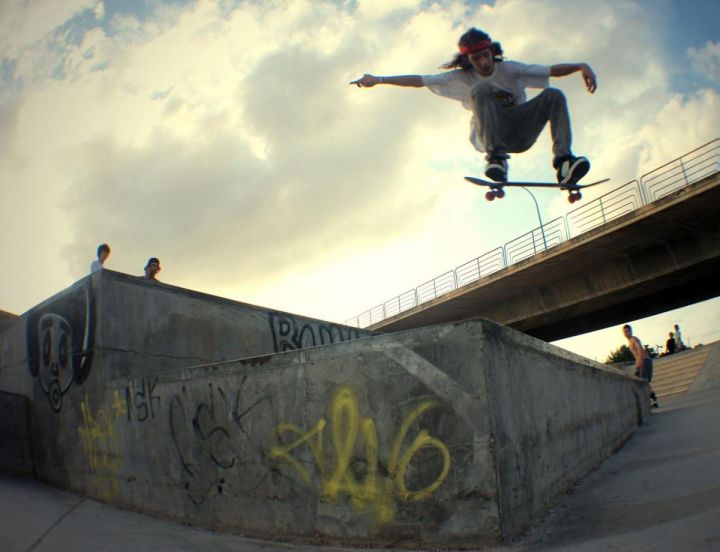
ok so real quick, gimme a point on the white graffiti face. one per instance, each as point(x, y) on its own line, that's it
point(55, 345)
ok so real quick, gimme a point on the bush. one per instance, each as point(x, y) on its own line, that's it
point(621, 354)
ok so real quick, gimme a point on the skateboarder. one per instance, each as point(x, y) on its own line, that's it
point(503, 121)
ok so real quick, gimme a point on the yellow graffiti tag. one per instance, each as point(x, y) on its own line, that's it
point(374, 492)
point(100, 446)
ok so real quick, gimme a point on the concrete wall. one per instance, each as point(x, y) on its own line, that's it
point(709, 375)
point(16, 450)
point(6, 320)
point(110, 325)
point(455, 434)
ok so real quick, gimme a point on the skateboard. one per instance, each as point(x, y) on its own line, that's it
point(496, 188)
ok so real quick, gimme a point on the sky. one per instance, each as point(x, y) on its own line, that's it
point(223, 137)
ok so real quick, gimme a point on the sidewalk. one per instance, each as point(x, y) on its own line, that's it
point(661, 492)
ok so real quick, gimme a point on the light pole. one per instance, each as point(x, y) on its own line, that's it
point(537, 208)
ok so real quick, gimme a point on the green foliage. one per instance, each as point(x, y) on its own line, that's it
point(621, 354)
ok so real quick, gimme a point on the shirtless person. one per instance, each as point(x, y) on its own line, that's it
point(643, 363)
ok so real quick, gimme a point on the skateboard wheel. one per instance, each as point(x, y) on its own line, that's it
point(490, 196)
point(578, 196)
point(571, 198)
point(500, 194)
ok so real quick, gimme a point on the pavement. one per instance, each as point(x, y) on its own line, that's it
point(660, 492)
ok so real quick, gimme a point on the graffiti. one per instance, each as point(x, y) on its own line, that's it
point(142, 403)
point(207, 442)
point(289, 334)
point(370, 485)
point(210, 439)
point(60, 343)
point(100, 445)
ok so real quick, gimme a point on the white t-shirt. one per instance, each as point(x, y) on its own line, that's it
point(95, 266)
point(511, 76)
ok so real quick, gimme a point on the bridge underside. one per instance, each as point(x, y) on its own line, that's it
point(663, 256)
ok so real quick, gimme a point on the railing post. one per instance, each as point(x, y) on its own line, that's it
point(682, 168)
point(602, 211)
point(532, 234)
point(644, 192)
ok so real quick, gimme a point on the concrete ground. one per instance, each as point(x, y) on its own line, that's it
point(661, 492)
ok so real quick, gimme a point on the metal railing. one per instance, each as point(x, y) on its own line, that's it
point(486, 264)
point(691, 167)
point(612, 205)
point(685, 170)
point(534, 241)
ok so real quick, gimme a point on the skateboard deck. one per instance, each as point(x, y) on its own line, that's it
point(567, 186)
point(496, 188)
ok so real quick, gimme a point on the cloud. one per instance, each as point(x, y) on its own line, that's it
point(285, 178)
point(224, 138)
point(24, 24)
point(706, 61)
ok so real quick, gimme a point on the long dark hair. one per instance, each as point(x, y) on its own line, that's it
point(471, 37)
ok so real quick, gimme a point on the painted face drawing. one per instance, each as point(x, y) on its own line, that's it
point(60, 342)
point(55, 370)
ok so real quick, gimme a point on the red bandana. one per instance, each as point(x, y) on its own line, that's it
point(477, 47)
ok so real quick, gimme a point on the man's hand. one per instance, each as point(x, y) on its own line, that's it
point(565, 69)
point(589, 78)
point(366, 81)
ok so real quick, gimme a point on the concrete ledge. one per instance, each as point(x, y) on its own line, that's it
point(459, 434)
point(709, 375)
point(7, 319)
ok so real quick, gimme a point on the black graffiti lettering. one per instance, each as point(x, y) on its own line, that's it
point(289, 334)
point(207, 433)
point(202, 442)
point(141, 400)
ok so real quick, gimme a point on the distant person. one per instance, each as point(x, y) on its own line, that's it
point(680, 346)
point(670, 344)
point(103, 252)
point(643, 362)
point(152, 268)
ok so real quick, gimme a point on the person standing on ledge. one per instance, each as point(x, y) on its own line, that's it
point(643, 363)
point(678, 339)
point(103, 252)
point(152, 268)
point(503, 121)
point(670, 345)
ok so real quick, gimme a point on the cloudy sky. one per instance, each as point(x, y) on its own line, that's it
point(223, 137)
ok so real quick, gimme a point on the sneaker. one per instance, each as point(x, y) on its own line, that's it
point(571, 168)
point(496, 168)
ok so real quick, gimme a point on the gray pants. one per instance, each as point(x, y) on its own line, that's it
point(515, 129)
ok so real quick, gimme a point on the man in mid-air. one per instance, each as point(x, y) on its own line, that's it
point(504, 121)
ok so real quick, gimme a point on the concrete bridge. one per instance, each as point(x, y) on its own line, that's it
point(662, 256)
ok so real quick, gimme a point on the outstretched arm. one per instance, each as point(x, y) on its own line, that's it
point(564, 69)
point(368, 81)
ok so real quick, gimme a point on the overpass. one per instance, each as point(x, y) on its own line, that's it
point(660, 256)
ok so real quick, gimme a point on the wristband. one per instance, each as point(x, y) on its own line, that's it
point(380, 80)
